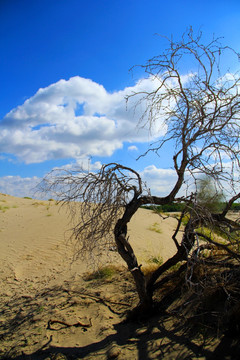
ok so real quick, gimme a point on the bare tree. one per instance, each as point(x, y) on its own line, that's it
point(200, 111)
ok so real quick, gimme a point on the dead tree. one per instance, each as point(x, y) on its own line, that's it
point(200, 111)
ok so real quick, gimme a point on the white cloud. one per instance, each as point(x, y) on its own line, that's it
point(133, 148)
point(84, 164)
point(72, 119)
point(160, 181)
point(18, 186)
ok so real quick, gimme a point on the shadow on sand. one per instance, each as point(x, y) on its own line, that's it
point(144, 341)
point(162, 336)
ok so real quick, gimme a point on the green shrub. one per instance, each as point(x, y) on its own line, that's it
point(235, 207)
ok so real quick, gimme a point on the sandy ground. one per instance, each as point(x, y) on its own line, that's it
point(34, 246)
point(47, 304)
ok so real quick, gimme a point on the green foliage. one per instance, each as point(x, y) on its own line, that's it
point(27, 197)
point(172, 207)
point(185, 219)
point(207, 232)
point(235, 207)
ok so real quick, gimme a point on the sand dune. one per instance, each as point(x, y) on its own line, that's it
point(39, 282)
point(34, 234)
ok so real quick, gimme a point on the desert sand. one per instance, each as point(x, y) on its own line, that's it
point(50, 306)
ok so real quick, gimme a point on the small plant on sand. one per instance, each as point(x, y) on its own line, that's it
point(155, 227)
point(153, 262)
point(104, 273)
point(158, 260)
point(4, 208)
point(37, 203)
point(27, 197)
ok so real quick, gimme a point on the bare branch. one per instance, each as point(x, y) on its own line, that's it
point(200, 111)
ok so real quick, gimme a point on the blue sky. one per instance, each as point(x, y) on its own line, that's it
point(64, 72)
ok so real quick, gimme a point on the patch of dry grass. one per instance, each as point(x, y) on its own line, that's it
point(155, 227)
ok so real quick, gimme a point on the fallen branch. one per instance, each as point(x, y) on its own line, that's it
point(77, 324)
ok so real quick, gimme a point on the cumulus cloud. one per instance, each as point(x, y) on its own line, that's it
point(160, 181)
point(73, 118)
point(18, 186)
